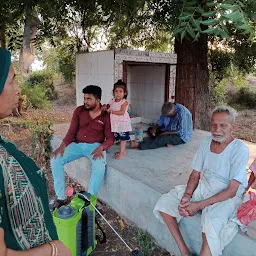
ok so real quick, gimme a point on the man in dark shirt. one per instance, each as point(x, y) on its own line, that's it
point(89, 135)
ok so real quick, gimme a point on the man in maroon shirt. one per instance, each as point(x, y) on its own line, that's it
point(89, 135)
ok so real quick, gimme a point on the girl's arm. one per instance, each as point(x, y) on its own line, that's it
point(121, 111)
point(42, 250)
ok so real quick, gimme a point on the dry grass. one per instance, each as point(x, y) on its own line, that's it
point(246, 125)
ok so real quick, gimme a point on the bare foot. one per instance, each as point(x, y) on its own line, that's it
point(134, 144)
point(169, 145)
point(119, 156)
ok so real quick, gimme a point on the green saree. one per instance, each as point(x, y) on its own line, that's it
point(24, 211)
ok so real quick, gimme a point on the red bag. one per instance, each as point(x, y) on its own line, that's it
point(247, 211)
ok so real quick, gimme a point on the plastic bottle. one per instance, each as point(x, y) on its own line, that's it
point(138, 134)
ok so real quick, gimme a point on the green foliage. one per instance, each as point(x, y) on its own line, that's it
point(212, 18)
point(20, 122)
point(244, 97)
point(45, 79)
point(223, 90)
point(219, 61)
point(230, 88)
point(61, 60)
point(36, 96)
point(236, 77)
point(67, 62)
point(135, 28)
point(41, 140)
point(244, 57)
point(218, 93)
point(146, 243)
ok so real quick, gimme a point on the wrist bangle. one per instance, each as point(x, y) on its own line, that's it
point(188, 194)
point(54, 249)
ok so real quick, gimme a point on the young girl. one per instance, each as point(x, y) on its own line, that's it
point(119, 117)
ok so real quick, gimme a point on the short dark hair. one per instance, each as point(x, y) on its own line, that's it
point(94, 90)
point(122, 85)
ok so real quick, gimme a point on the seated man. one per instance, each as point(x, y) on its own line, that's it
point(222, 161)
point(173, 128)
point(89, 135)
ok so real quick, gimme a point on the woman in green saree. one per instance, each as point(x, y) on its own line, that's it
point(26, 225)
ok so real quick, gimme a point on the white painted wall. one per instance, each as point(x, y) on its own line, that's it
point(146, 87)
point(96, 68)
point(146, 83)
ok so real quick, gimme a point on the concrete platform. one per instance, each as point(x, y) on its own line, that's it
point(133, 185)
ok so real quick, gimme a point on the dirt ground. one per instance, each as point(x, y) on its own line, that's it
point(14, 128)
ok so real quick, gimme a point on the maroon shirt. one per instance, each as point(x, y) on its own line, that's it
point(85, 129)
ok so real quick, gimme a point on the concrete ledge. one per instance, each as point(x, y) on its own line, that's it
point(133, 185)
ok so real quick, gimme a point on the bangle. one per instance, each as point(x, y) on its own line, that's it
point(54, 249)
point(188, 194)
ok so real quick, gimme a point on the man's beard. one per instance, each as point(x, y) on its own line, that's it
point(90, 107)
point(220, 140)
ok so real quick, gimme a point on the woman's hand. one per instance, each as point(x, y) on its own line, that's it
point(62, 249)
point(40, 250)
point(2, 243)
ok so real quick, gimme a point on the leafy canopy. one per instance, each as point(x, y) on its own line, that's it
point(214, 17)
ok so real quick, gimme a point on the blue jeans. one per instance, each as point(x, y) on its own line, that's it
point(72, 152)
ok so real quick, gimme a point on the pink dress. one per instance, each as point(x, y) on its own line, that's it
point(119, 123)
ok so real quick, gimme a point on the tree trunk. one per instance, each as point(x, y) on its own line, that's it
point(2, 35)
point(192, 79)
point(27, 54)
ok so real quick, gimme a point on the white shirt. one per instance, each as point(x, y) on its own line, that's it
point(219, 169)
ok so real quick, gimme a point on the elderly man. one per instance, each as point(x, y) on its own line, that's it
point(173, 128)
point(89, 135)
point(221, 160)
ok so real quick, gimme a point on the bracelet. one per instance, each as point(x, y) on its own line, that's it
point(54, 249)
point(188, 194)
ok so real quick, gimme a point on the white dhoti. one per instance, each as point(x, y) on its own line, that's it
point(215, 219)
